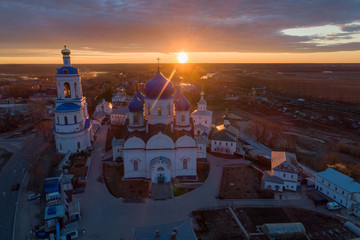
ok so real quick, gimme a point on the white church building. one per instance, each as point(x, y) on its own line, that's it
point(72, 128)
point(160, 143)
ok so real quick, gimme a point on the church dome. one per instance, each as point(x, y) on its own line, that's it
point(140, 96)
point(182, 104)
point(159, 87)
point(65, 51)
point(136, 105)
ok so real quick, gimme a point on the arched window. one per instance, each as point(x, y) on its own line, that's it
point(76, 90)
point(185, 164)
point(67, 91)
point(169, 109)
point(58, 120)
point(60, 146)
point(135, 119)
point(78, 145)
point(182, 117)
point(198, 133)
point(159, 110)
point(75, 119)
point(66, 120)
point(149, 109)
point(136, 166)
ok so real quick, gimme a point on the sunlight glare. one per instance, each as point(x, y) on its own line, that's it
point(182, 57)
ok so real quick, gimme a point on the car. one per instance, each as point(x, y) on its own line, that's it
point(78, 190)
point(15, 186)
point(333, 206)
point(34, 196)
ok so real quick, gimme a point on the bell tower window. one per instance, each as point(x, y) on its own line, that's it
point(149, 109)
point(67, 91)
point(159, 110)
point(75, 119)
point(66, 120)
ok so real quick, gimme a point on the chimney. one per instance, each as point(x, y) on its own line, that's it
point(173, 235)
point(157, 233)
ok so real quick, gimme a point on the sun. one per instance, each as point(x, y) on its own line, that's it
point(182, 57)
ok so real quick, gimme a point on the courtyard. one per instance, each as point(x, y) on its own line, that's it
point(242, 182)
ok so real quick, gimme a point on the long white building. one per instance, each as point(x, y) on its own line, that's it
point(339, 187)
point(72, 128)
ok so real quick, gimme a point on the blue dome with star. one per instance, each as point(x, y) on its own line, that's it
point(182, 104)
point(159, 87)
point(140, 96)
point(136, 105)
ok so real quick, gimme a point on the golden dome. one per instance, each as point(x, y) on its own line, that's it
point(65, 51)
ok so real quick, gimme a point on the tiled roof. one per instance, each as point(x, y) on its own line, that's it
point(341, 180)
point(270, 177)
point(67, 107)
point(201, 113)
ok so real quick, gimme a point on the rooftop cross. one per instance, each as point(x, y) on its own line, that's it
point(158, 60)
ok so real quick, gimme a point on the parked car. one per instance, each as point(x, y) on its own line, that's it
point(333, 206)
point(78, 190)
point(34, 196)
point(15, 186)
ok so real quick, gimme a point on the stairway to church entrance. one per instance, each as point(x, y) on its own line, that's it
point(161, 191)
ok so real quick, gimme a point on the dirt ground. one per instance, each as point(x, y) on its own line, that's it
point(242, 182)
point(311, 141)
point(124, 188)
point(216, 224)
point(317, 225)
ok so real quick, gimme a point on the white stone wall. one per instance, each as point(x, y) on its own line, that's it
point(190, 155)
point(272, 186)
point(69, 142)
point(333, 191)
point(104, 107)
point(129, 157)
point(179, 115)
point(223, 147)
point(289, 185)
point(153, 117)
point(288, 176)
point(203, 120)
point(118, 119)
point(145, 157)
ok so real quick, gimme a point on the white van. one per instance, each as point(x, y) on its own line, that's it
point(333, 206)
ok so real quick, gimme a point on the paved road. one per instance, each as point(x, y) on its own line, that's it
point(24, 149)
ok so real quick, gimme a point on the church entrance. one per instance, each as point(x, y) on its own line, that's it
point(161, 175)
point(160, 170)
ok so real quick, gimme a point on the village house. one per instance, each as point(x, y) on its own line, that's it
point(283, 174)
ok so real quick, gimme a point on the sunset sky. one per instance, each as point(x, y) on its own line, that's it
point(126, 31)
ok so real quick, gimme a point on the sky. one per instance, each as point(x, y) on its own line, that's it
point(210, 31)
